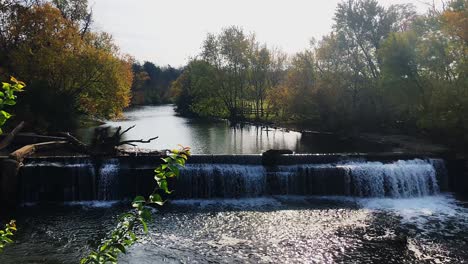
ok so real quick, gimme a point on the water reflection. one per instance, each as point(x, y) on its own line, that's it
point(209, 137)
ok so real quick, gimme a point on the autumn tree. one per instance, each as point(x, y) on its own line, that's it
point(66, 70)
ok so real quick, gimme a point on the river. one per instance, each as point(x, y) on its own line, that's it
point(244, 212)
point(221, 137)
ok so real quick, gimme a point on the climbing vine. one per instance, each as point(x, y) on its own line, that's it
point(7, 234)
point(8, 98)
point(123, 236)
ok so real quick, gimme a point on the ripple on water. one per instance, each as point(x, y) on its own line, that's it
point(282, 229)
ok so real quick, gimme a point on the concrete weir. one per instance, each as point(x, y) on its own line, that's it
point(82, 178)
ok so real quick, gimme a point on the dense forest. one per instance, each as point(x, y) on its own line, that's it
point(380, 69)
point(151, 84)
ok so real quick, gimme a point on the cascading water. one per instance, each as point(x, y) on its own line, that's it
point(56, 181)
point(221, 180)
point(107, 182)
point(400, 179)
point(233, 176)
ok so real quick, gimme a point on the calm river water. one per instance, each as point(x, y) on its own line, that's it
point(220, 137)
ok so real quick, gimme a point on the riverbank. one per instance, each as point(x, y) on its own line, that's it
point(394, 142)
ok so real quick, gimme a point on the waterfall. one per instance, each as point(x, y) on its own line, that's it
point(232, 176)
point(57, 181)
point(400, 179)
point(221, 180)
point(108, 180)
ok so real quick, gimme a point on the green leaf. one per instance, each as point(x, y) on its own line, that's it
point(103, 247)
point(145, 226)
point(156, 199)
point(5, 114)
point(121, 248)
point(174, 169)
point(146, 214)
point(10, 102)
point(138, 201)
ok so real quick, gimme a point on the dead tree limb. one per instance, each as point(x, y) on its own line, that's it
point(130, 142)
point(76, 143)
point(28, 150)
point(126, 130)
point(9, 138)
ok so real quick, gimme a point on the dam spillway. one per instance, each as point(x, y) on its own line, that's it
point(57, 179)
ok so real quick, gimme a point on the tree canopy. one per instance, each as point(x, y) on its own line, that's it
point(70, 69)
point(380, 69)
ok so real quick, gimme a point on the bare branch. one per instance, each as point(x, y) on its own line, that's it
point(126, 130)
point(129, 142)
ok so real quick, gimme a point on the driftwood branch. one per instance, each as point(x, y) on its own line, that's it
point(76, 143)
point(104, 143)
point(130, 142)
point(27, 150)
point(9, 138)
point(126, 130)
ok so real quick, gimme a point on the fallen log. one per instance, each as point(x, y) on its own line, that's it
point(20, 154)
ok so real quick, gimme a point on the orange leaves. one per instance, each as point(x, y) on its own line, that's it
point(456, 23)
point(50, 49)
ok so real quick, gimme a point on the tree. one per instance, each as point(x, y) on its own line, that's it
point(196, 92)
point(152, 84)
point(83, 74)
point(259, 61)
point(301, 81)
point(227, 53)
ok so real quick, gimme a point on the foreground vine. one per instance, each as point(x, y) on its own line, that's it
point(8, 98)
point(7, 234)
point(124, 234)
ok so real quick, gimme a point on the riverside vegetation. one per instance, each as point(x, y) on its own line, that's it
point(83, 73)
point(8, 98)
point(380, 69)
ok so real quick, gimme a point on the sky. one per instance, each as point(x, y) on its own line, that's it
point(171, 31)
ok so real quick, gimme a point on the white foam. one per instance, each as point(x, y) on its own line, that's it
point(93, 204)
point(236, 203)
point(426, 213)
point(400, 179)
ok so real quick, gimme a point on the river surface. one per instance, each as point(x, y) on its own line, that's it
point(280, 229)
point(221, 137)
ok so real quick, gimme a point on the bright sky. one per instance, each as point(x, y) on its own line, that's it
point(171, 31)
